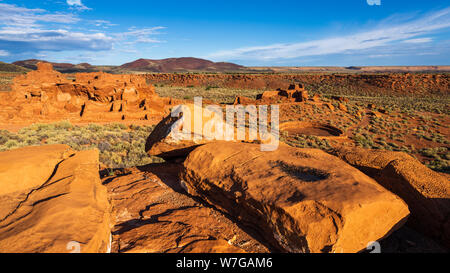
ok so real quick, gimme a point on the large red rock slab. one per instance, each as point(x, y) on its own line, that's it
point(55, 203)
point(151, 215)
point(303, 200)
point(426, 192)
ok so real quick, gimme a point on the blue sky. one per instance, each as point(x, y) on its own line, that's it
point(254, 33)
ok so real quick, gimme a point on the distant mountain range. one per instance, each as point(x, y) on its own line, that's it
point(188, 64)
point(185, 64)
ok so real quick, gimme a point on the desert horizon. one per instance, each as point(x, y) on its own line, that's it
point(193, 64)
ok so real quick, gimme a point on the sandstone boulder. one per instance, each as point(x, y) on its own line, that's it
point(302, 200)
point(342, 107)
point(179, 133)
point(316, 98)
point(426, 192)
point(52, 201)
point(177, 136)
point(330, 106)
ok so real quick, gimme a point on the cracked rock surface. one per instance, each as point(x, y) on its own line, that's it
point(52, 201)
point(152, 214)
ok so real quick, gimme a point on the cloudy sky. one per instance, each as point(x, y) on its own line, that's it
point(248, 32)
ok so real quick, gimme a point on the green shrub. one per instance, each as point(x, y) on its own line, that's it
point(119, 145)
point(12, 143)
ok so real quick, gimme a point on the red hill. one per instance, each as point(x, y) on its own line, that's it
point(180, 65)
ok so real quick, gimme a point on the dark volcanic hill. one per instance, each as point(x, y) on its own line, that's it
point(180, 65)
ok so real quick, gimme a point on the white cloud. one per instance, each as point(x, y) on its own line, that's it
point(381, 36)
point(147, 40)
point(56, 40)
point(74, 2)
point(11, 15)
point(77, 4)
point(418, 41)
point(103, 23)
point(27, 30)
point(26, 33)
point(142, 35)
point(135, 32)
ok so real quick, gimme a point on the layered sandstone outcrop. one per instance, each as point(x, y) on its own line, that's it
point(52, 201)
point(302, 200)
point(426, 192)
